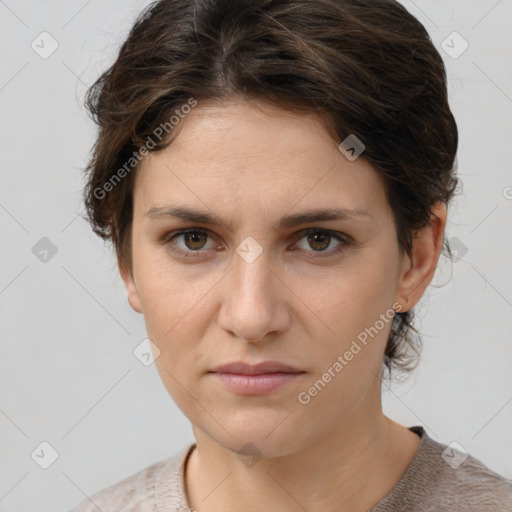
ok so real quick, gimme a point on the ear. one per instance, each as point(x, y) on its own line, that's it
point(417, 272)
point(129, 283)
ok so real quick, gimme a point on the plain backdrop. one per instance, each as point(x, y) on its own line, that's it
point(68, 375)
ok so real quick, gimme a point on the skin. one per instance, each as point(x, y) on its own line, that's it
point(250, 164)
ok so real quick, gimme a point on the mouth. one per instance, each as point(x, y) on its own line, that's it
point(256, 384)
point(259, 379)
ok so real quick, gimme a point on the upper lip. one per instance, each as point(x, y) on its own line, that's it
point(256, 369)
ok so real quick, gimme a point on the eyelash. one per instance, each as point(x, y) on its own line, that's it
point(344, 239)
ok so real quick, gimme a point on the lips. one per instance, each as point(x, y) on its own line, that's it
point(257, 379)
point(241, 368)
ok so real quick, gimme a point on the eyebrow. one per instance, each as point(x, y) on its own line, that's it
point(287, 221)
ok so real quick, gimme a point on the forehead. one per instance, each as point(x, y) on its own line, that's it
point(245, 133)
point(246, 152)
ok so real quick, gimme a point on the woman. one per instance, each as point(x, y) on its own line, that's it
point(275, 177)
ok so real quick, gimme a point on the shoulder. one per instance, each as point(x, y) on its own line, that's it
point(137, 492)
point(445, 477)
point(471, 486)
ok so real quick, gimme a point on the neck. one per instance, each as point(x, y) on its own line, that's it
point(350, 470)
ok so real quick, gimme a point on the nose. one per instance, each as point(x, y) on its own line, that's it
point(255, 307)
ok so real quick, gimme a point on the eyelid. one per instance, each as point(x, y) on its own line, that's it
point(336, 234)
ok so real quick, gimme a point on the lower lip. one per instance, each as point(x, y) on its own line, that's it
point(256, 384)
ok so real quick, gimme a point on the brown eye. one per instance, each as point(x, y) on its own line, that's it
point(319, 240)
point(323, 242)
point(191, 243)
point(195, 240)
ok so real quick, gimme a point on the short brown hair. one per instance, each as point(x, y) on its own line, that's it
point(368, 67)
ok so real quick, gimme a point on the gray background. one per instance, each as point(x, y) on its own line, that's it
point(68, 375)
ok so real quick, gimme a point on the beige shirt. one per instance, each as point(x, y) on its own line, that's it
point(438, 479)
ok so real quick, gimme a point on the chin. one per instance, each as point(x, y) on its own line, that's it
point(255, 434)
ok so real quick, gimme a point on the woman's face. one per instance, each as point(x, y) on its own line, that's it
point(257, 286)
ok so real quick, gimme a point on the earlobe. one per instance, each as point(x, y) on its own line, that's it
point(418, 271)
point(131, 289)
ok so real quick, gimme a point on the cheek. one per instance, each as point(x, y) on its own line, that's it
point(169, 318)
point(372, 282)
point(176, 310)
point(167, 296)
point(351, 310)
